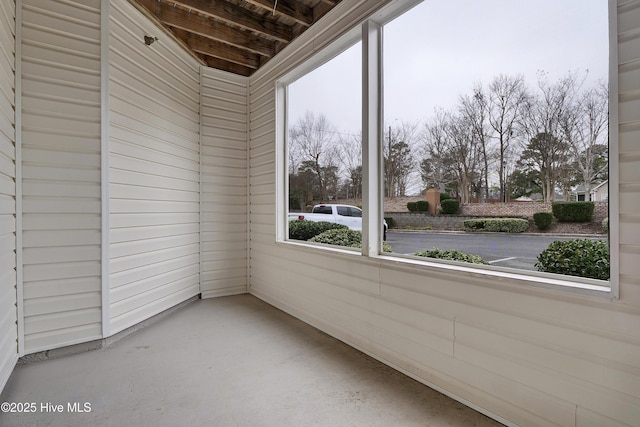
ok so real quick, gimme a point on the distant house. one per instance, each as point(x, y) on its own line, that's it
point(598, 193)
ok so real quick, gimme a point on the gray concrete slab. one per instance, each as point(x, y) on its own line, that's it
point(233, 361)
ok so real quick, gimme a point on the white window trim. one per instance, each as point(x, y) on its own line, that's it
point(372, 119)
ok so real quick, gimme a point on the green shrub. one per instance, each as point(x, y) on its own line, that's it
point(444, 196)
point(497, 225)
point(542, 220)
point(344, 237)
point(449, 206)
point(422, 206)
point(573, 211)
point(605, 224)
point(305, 230)
point(579, 257)
point(412, 206)
point(451, 254)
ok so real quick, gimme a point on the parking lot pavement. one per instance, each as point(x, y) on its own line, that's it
point(501, 249)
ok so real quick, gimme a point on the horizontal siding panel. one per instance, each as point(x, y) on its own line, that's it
point(181, 262)
point(151, 168)
point(539, 364)
point(124, 125)
point(136, 261)
point(134, 144)
point(53, 271)
point(57, 222)
point(34, 255)
point(61, 173)
point(125, 177)
point(151, 219)
point(56, 189)
point(146, 300)
point(61, 303)
point(64, 320)
point(53, 338)
point(151, 308)
point(59, 205)
point(221, 247)
point(138, 247)
point(126, 291)
point(55, 158)
point(67, 286)
point(64, 91)
point(134, 192)
point(142, 206)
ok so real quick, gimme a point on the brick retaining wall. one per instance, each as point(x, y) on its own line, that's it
point(523, 209)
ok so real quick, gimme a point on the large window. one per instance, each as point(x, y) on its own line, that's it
point(488, 109)
point(501, 107)
point(324, 148)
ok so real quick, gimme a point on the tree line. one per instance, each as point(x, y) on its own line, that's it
point(501, 141)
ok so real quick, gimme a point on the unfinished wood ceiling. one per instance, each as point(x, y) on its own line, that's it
point(238, 36)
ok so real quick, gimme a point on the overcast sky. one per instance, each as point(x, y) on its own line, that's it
point(438, 50)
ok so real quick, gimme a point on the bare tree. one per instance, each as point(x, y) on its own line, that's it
point(435, 167)
point(350, 158)
point(506, 103)
point(313, 138)
point(398, 159)
point(475, 110)
point(464, 151)
point(542, 126)
point(585, 127)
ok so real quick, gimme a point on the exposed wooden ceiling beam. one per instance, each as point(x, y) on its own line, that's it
point(238, 36)
point(229, 13)
point(292, 9)
point(221, 64)
point(194, 23)
point(216, 49)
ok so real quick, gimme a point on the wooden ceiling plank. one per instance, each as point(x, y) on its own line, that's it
point(230, 67)
point(179, 18)
point(239, 17)
point(292, 9)
point(219, 50)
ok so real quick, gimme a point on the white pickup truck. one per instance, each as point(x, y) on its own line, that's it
point(351, 216)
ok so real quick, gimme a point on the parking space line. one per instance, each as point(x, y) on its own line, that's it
point(503, 259)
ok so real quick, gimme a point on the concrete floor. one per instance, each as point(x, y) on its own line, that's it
point(233, 361)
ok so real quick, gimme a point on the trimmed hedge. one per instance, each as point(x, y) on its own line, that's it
point(451, 254)
point(449, 206)
point(573, 211)
point(579, 257)
point(344, 237)
point(444, 196)
point(422, 206)
point(305, 229)
point(419, 206)
point(497, 225)
point(543, 220)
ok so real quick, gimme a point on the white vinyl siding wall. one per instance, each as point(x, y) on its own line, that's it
point(523, 354)
point(629, 150)
point(223, 184)
point(153, 170)
point(61, 172)
point(8, 292)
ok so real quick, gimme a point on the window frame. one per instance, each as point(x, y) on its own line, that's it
point(369, 32)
